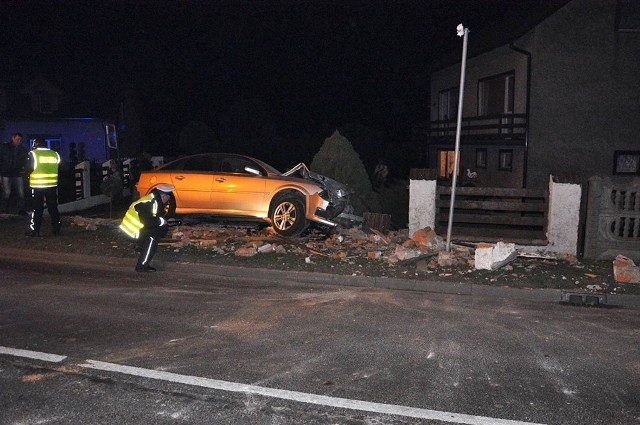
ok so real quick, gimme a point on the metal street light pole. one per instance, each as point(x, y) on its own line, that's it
point(462, 32)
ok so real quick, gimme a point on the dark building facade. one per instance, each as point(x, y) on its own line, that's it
point(563, 98)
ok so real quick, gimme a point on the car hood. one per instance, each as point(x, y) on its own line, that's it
point(337, 191)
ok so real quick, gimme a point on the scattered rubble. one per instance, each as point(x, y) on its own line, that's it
point(625, 270)
point(93, 223)
point(394, 247)
point(393, 251)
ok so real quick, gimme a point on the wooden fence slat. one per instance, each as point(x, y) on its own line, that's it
point(495, 213)
point(501, 206)
point(495, 219)
point(495, 191)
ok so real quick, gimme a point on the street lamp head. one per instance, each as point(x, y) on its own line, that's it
point(460, 29)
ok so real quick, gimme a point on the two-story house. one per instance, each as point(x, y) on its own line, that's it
point(36, 109)
point(563, 98)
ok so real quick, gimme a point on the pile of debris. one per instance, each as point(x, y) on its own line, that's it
point(424, 249)
point(341, 243)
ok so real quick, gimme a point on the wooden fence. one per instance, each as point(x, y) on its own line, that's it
point(483, 214)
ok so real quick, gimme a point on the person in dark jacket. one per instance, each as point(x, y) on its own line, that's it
point(147, 221)
point(13, 159)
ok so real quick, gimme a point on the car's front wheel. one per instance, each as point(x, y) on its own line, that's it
point(288, 215)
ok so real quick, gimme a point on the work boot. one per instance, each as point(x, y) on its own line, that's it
point(145, 269)
point(56, 229)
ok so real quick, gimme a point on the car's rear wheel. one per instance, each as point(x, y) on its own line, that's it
point(288, 215)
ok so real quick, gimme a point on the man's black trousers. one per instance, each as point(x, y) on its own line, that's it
point(148, 242)
point(40, 195)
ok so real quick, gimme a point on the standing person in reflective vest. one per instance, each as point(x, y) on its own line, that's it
point(146, 221)
point(43, 179)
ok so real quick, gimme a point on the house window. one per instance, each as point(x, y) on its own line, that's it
point(448, 104)
point(628, 16)
point(481, 158)
point(45, 103)
point(53, 143)
point(3, 100)
point(495, 94)
point(447, 160)
point(505, 160)
point(626, 162)
point(112, 138)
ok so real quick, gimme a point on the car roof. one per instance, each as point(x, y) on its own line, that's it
point(268, 167)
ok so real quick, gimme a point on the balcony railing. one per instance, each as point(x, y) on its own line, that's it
point(502, 126)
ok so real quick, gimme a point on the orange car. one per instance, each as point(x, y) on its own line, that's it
point(238, 186)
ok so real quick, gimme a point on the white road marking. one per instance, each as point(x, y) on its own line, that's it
point(32, 354)
point(337, 402)
point(343, 403)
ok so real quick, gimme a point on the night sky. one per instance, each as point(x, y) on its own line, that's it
point(314, 64)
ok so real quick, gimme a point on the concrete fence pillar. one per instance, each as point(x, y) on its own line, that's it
point(422, 199)
point(564, 216)
point(594, 199)
point(83, 180)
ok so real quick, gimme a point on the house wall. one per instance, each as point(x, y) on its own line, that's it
point(497, 61)
point(585, 93)
point(90, 132)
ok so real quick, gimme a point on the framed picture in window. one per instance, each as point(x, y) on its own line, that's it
point(481, 158)
point(505, 160)
point(626, 162)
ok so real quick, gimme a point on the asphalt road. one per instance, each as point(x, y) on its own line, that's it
point(96, 343)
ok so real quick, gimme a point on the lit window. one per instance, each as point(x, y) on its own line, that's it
point(447, 160)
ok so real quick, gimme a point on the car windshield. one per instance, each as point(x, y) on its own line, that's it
point(269, 168)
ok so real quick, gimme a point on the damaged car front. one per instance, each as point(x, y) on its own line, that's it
point(334, 193)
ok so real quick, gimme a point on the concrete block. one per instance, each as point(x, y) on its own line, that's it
point(492, 257)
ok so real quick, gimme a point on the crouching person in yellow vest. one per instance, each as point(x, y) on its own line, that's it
point(43, 180)
point(147, 222)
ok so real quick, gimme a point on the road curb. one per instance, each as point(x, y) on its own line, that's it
point(235, 272)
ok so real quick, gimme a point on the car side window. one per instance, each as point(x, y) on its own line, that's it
point(175, 165)
point(237, 165)
point(198, 163)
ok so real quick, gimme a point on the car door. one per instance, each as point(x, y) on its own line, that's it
point(237, 191)
point(193, 182)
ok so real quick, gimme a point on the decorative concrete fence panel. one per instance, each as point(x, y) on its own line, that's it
point(613, 218)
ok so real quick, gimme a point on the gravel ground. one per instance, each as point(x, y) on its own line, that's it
point(105, 239)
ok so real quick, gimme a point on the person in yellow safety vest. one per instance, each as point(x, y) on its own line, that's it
point(43, 180)
point(147, 221)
